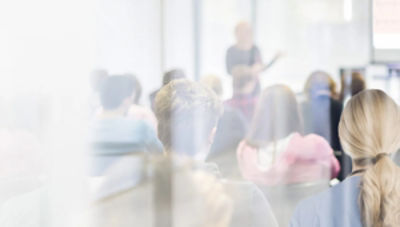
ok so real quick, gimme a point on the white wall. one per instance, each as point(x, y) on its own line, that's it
point(217, 31)
point(178, 33)
point(46, 49)
point(136, 36)
point(314, 34)
point(219, 19)
point(128, 39)
point(42, 47)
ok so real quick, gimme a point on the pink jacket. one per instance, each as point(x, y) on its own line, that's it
point(303, 159)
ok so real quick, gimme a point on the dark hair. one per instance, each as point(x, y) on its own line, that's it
point(276, 116)
point(114, 90)
point(186, 112)
point(231, 130)
point(173, 75)
point(356, 85)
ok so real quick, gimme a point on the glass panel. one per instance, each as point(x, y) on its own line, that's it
point(177, 113)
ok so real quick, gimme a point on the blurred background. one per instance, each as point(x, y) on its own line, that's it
point(49, 49)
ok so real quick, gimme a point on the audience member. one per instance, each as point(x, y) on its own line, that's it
point(352, 86)
point(243, 98)
point(321, 113)
point(214, 83)
point(169, 197)
point(275, 152)
point(113, 133)
point(138, 111)
point(370, 196)
point(187, 113)
point(231, 129)
point(168, 77)
point(142, 113)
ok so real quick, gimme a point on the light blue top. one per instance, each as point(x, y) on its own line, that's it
point(112, 138)
point(122, 130)
point(336, 207)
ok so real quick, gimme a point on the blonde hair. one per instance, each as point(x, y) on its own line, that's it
point(187, 112)
point(369, 132)
point(213, 82)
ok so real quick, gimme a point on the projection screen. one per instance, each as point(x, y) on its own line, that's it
point(385, 31)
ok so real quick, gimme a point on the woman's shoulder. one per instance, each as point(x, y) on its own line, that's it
point(348, 188)
point(331, 206)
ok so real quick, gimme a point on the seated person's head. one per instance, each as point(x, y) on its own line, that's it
point(355, 85)
point(243, 80)
point(187, 114)
point(369, 133)
point(276, 116)
point(213, 82)
point(320, 83)
point(116, 93)
point(173, 75)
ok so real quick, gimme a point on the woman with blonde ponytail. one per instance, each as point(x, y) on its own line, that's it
point(369, 132)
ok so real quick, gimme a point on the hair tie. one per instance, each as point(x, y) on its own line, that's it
point(370, 161)
point(380, 156)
